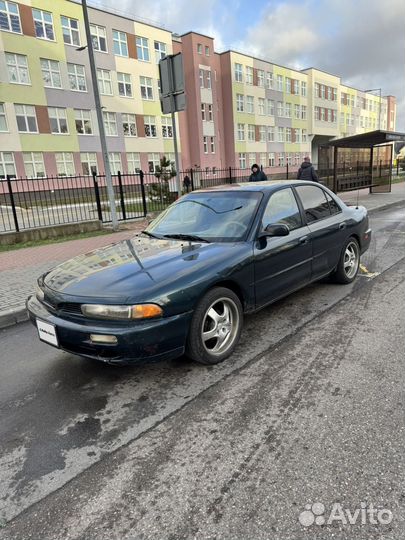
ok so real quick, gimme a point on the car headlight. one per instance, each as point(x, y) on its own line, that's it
point(139, 311)
point(39, 293)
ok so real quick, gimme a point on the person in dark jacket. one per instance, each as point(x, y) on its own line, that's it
point(257, 175)
point(307, 171)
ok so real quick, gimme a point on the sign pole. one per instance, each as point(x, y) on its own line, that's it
point(173, 107)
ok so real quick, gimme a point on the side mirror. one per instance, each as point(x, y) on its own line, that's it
point(275, 230)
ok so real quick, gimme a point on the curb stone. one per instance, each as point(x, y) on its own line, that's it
point(19, 314)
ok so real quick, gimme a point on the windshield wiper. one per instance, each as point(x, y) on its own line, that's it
point(181, 236)
point(152, 235)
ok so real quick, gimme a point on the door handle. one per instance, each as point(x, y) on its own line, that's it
point(304, 240)
point(342, 226)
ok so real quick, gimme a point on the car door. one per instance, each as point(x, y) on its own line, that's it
point(282, 264)
point(328, 228)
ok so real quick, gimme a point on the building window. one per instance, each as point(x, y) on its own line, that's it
point(120, 43)
point(114, 159)
point(110, 123)
point(199, 48)
point(272, 159)
point(303, 112)
point(7, 165)
point(242, 161)
point(212, 145)
point(207, 51)
point(297, 135)
point(64, 164)
point(160, 51)
point(201, 76)
point(329, 93)
point(17, 68)
point(251, 159)
point(3, 119)
point(167, 128)
point(142, 49)
point(241, 132)
point(316, 89)
point(287, 134)
point(150, 126)
point(250, 108)
point(322, 111)
point(153, 162)
point(205, 144)
point(124, 84)
point(304, 135)
point(9, 17)
point(261, 105)
point(89, 163)
point(26, 118)
point(303, 89)
point(146, 88)
point(269, 80)
point(50, 73)
point(70, 30)
point(34, 164)
point(288, 85)
point(260, 77)
point(262, 133)
point(280, 134)
point(77, 77)
point(134, 162)
point(280, 83)
point(238, 72)
point(83, 122)
point(323, 95)
point(203, 111)
point(98, 36)
point(281, 160)
point(104, 82)
point(210, 117)
point(270, 107)
point(297, 111)
point(43, 23)
point(329, 115)
point(251, 133)
point(208, 75)
point(249, 75)
point(129, 125)
point(280, 108)
point(287, 110)
point(58, 121)
point(270, 134)
point(240, 102)
point(296, 86)
point(334, 94)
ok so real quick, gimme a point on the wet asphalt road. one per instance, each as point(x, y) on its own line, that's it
point(309, 409)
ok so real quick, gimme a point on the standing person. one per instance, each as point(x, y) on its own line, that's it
point(307, 171)
point(257, 174)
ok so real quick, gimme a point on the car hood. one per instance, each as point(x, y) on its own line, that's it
point(133, 270)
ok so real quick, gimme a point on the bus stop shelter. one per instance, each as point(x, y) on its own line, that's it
point(364, 160)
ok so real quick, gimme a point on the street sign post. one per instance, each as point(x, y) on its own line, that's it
point(172, 97)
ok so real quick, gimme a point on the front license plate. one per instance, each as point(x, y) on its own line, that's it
point(47, 332)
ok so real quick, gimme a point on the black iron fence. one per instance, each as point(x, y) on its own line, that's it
point(29, 203)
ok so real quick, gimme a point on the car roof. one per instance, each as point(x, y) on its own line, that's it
point(267, 185)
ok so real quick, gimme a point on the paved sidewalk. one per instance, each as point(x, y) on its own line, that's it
point(20, 269)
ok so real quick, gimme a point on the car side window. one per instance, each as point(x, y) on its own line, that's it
point(314, 202)
point(282, 208)
point(333, 205)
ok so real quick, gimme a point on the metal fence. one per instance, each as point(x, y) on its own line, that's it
point(30, 203)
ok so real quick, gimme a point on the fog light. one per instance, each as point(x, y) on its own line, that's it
point(103, 338)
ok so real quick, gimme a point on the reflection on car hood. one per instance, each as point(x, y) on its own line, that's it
point(132, 268)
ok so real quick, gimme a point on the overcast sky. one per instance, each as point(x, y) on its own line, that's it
point(363, 41)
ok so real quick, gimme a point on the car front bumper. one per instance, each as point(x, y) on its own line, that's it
point(156, 339)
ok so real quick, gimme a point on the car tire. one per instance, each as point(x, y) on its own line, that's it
point(215, 327)
point(349, 262)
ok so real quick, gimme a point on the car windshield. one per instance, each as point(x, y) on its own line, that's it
point(214, 217)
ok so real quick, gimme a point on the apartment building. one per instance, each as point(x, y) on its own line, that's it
point(240, 109)
point(48, 122)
